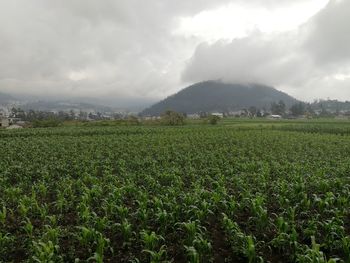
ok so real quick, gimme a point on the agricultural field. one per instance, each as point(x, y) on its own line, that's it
point(235, 192)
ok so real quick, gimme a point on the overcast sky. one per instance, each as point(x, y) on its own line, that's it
point(135, 49)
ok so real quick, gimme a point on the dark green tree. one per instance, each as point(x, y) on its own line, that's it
point(278, 108)
point(213, 120)
point(298, 109)
point(172, 118)
point(253, 111)
point(259, 114)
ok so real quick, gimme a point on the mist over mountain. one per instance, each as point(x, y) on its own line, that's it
point(217, 96)
point(207, 96)
point(6, 98)
point(331, 105)
point(65, 103)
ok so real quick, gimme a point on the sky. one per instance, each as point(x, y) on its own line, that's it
point(142, 51)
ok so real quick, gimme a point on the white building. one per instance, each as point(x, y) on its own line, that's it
point(275, 117)
point(218, 114)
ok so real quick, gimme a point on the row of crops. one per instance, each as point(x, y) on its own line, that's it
point(182, 194)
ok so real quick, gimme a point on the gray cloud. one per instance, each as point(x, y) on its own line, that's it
point(305, 62)
point(126, 48)
point(123, 48)
point(258, 58)
point(328, 34)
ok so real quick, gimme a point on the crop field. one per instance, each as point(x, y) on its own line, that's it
point(234, 192)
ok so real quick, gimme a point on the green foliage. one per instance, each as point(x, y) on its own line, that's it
point(156, 256)
point(6, 241)
point(3, 215)
point(314, 255)
point(244, 191)
point(172, 118)
point(192, 255)
point(150, 240)
point(46, 123)
point(298, 109)
point(213, 120)
point(278, 108)
point(44, 252)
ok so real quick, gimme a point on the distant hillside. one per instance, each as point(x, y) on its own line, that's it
point(331, 105)
point(212, 96)
point(6, 98)
point(63, 106)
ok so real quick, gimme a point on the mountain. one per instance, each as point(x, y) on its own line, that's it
point(43, 105)
point(6, 98)
point(216, 96)
point(65, 103)
point(331, 105)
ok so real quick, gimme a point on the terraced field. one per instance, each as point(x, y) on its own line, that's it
point(239, 192)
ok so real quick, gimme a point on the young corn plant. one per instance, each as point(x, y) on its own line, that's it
point(203, 247)
point(28, 227)
point(45, 252)
point(3, 215)
point(23, 207)
point(156, 256)
point(143, 216)
point(6, 241)
point(311, 229)
point(334, 232)
point(191, 228)
point(162, 218)
point(260, 212)
point(281, 241)
point(51, 234)
point(43, 211)
point(101, 223)
point(293, 240)
point(86, 236)
point(192, 254)
point(235, 236)
point(122, 212)
point(61, 202)
point(150, 240)
point(346, 247)
point(231, 206)
point(84, 213)
point(250, 251)
point(314, 255)
point(126, 231)
point(286, 240)
point(101, 244)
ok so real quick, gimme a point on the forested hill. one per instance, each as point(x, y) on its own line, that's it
point(216, 96)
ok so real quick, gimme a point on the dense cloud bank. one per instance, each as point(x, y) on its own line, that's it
point(311, 61)
point(127, 49)
point(90, 47)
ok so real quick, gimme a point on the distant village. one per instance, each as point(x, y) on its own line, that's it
point(12, 117)
point(16, 118)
